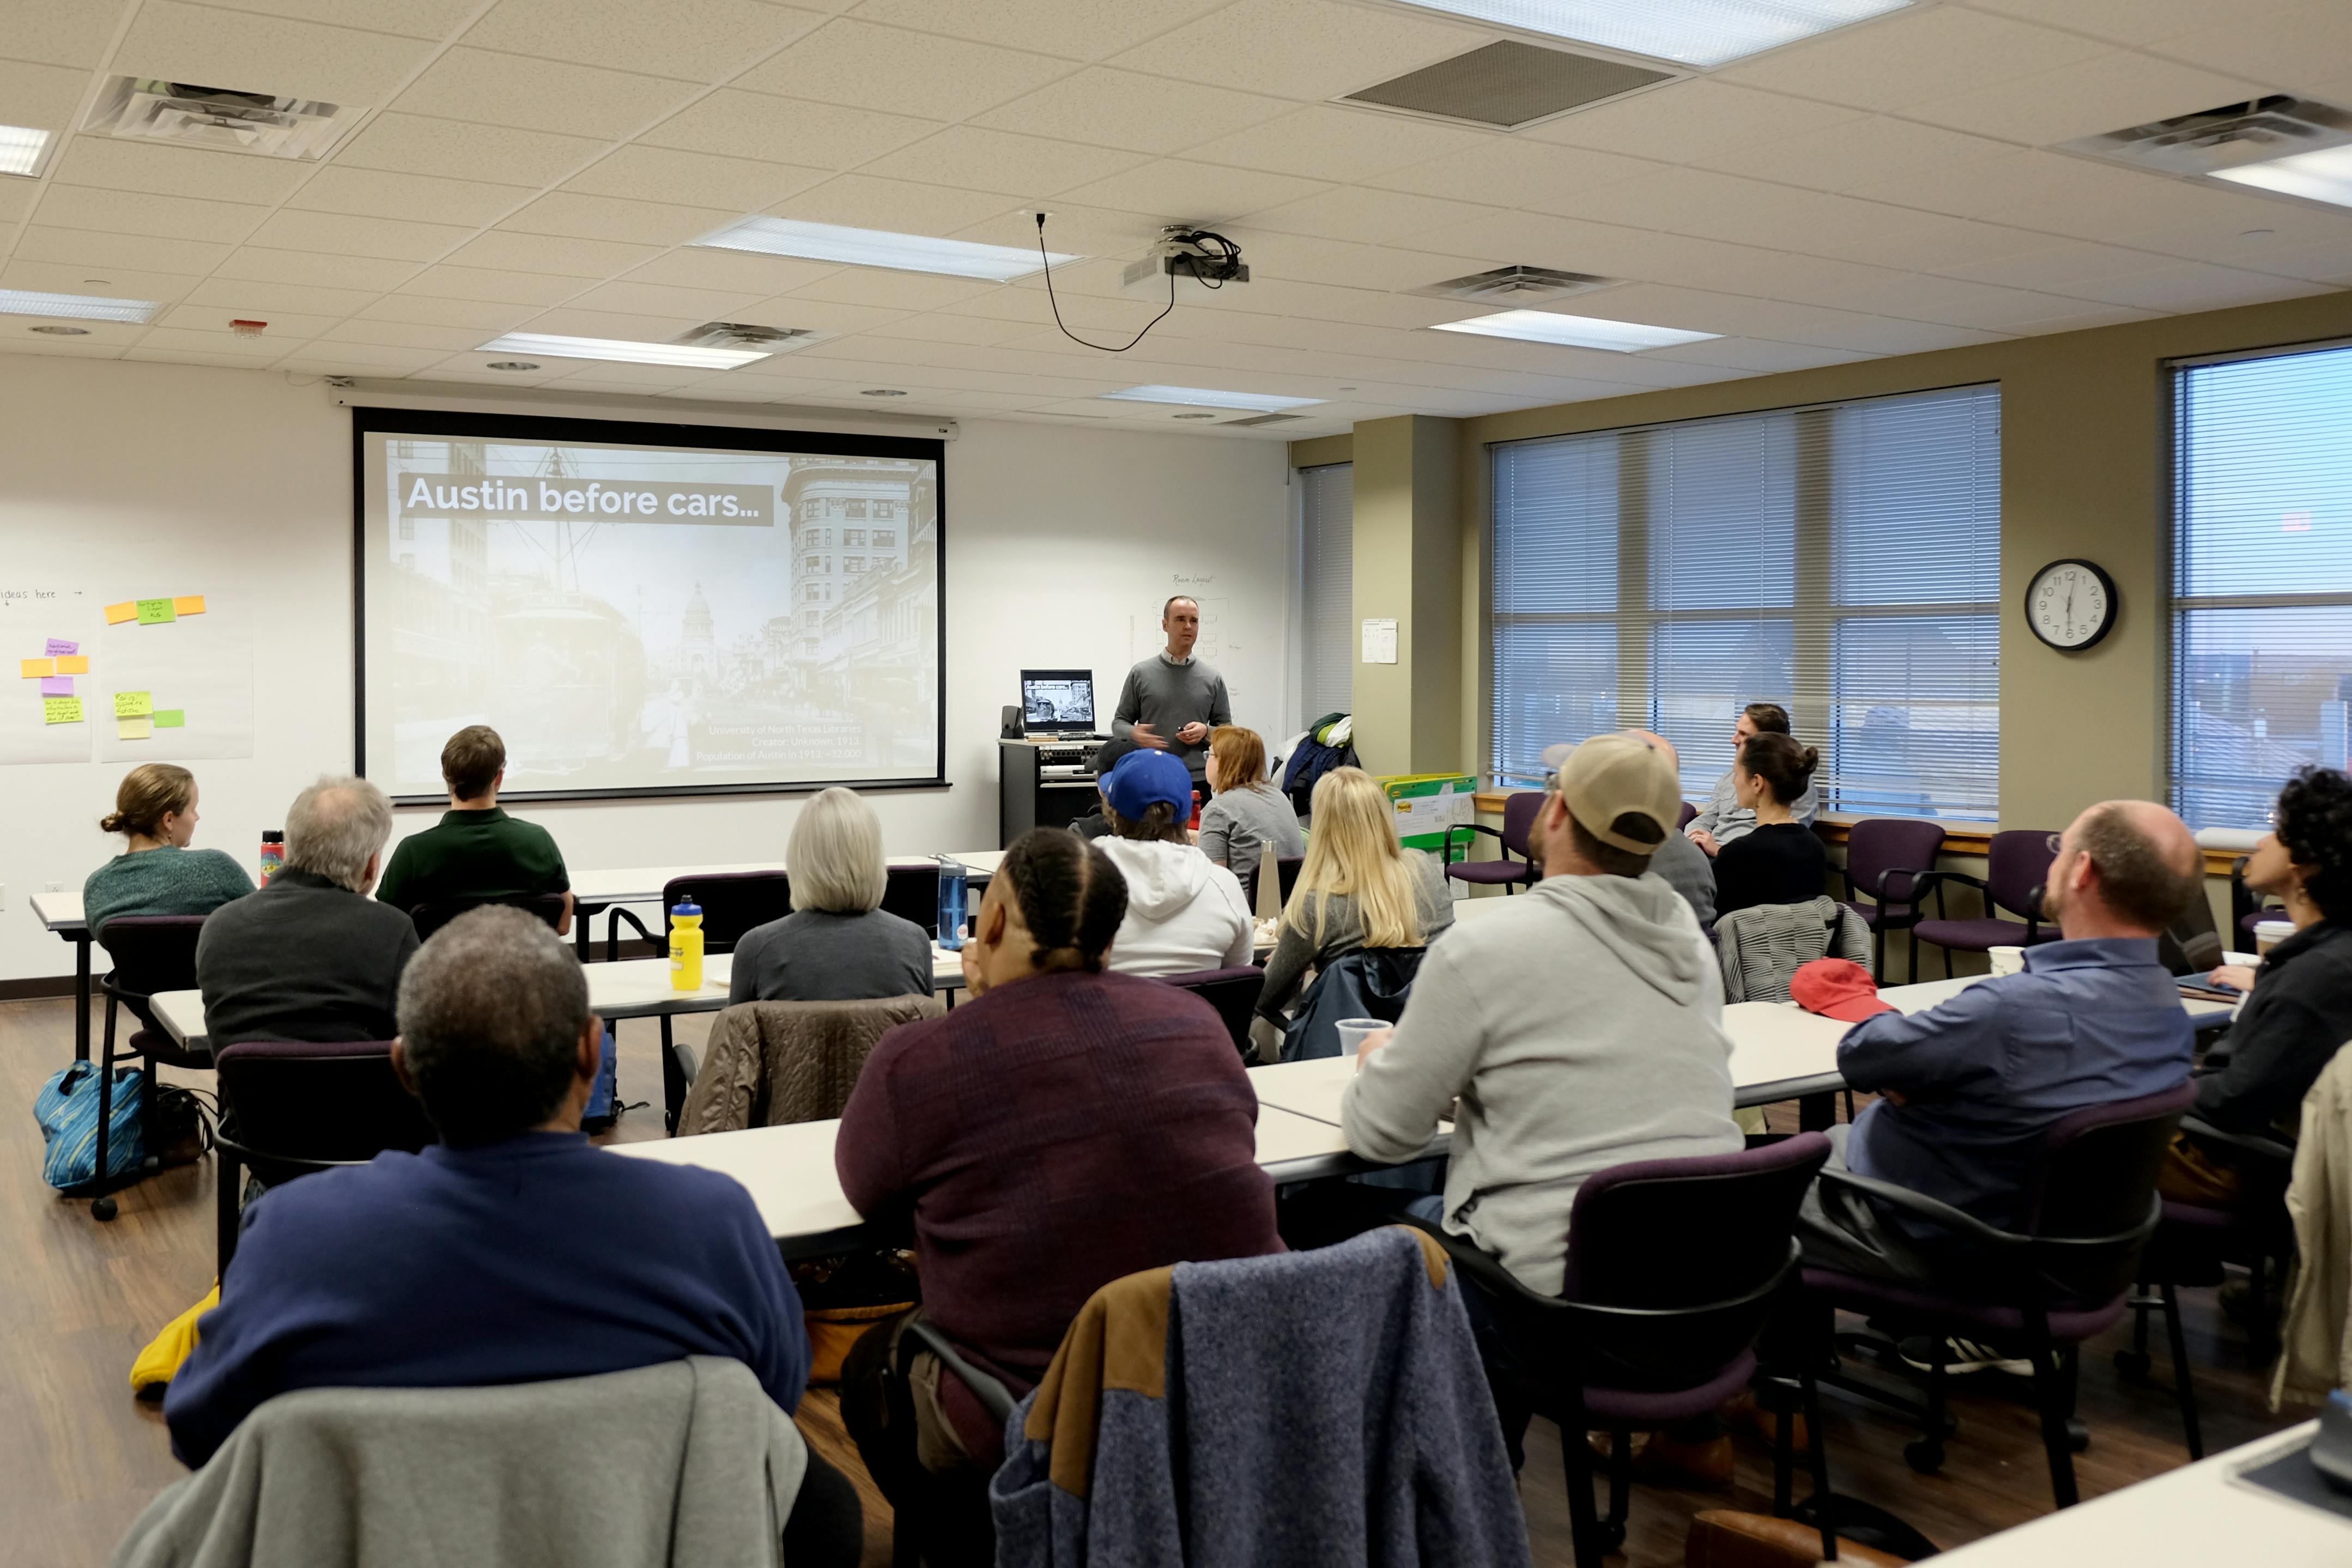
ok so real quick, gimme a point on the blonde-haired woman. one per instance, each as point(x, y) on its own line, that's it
point(155, 809)
point(839, 945)
point(1358, 888)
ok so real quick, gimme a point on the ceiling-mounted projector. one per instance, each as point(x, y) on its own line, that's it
point(1183, 252)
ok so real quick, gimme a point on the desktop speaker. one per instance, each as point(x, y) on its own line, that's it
point(1010, 727)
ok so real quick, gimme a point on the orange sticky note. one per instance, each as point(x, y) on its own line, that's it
point(116, 614)
point(188, 604)
point(73, 664)
point(35, 669)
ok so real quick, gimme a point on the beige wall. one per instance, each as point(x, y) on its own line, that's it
point(2084, 460)
point(1408, 566)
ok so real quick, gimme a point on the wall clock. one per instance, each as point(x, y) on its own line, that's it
point(2071, 604)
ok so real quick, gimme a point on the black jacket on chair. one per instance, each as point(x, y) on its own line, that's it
point(1369, 983)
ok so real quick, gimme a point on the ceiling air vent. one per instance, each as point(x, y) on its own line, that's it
point(745, 335)
point(1516, 286)
point(1263, 419)
point(1506, 84)
point(2215, 141)
point(144, 110)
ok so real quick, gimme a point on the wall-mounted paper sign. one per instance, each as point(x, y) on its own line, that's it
point(1379, 642)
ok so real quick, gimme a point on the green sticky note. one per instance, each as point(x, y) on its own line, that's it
point(133, 704)
point(155, 612)
point(61, 710)
point(171, 718)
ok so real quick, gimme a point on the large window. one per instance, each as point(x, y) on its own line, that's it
point(1327, 593)
point(2261, 609)
point(1841, 561)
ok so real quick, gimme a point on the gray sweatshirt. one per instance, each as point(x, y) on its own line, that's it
point(1685, 865)
point(1238, 824)
point(1168, 695)
point(1725, 818)
point(1581, 1025)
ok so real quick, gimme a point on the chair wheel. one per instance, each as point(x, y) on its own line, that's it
point(102, 1207)
point(2133, 1364)
point(1612, 1536)
point(2078, 1435)
point(1925, 1456)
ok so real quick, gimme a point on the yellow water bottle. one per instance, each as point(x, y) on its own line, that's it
point(686, 946)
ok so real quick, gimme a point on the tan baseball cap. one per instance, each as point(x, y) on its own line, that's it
point(1613, 776)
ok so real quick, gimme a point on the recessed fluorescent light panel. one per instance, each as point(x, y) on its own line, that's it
point(1209, 397)
point(2325, 175)
point(1575, 331)
point(21, 147)
point(1702, 33)
point(623, 350)
point(76, 306)
point(878, 247)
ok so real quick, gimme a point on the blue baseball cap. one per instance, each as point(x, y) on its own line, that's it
point(1146, 776)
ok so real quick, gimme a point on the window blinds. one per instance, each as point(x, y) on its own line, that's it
point(1326, 589)
point(2262, 609)
point(1841, 561)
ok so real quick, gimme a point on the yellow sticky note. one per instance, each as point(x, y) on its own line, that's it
point(73, 664)
point(188, 604)
point(61, 710)
point(35, 669)
point(133, 704)
point(134, 729)
point(116, 614)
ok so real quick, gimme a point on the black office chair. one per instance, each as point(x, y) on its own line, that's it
point(430, 917)
point(151, 954)
point(1233, 992)
point(912, 893)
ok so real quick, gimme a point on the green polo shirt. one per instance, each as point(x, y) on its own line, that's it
point(473, 854)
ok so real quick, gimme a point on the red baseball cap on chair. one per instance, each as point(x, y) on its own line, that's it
point(1837, 989)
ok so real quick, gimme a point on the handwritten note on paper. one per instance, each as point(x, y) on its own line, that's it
point(134, 729)
point(116, 614)
point(61, 710)
point(57, 686)
point(59, 645)
point(34, 669)
point(133, 704)
point(171, 718)
point(188, 604)
point(1381, 642)
point(156, 612)
point(73, 664)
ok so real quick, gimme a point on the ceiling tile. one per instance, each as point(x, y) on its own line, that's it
point(2192, 286)
point(1365, 217)
point(2107, 93)
point(2297, 48)
point(1309, 49)
point(145, 252)
point(571, 321)
point(264, 265)
point(893, 290)
point(164, 171)
point(343, 234)
point(58, 32)
point(243, 297)
point(630, 298)
point(974, 159)
point(1940, 242)
point(1759, 357)
point(1534, 175)
point(2126, 21)
point(1856, 152)
point(785, 131)
point(938, 327)
point(69, 278)
point(504, 249)
point(1121, 109)
point(730, 271)
point(1180, 191)
point(826, 316)
point(41, 96)
point(899, 206)
point(412, 198)
point(541, 95)
point(342, 66)
point(2055, 269)
point(471, 315)
point(1328, 142)
point(415, 18)
point(1071, 228)
point(698, 179)
point(699, 40)
point(323, 357)
point(576, 216)
point(221, 345)
point(492, 286)
point(1897, 61)
point(1074, 29)
point(1531, 239)
point(168, 356)
point(1684, 121)
point(125, 211)
point(417, 144)
point(285, 327)
point(861, 65)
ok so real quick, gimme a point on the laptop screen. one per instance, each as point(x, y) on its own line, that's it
point(1059, 701)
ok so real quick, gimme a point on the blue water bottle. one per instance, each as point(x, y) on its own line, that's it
point(952, 881)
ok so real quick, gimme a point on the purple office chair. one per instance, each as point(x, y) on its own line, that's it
point(1519, 811)
point(2064, 1275)
point(1644, 1334)
point(1683, 817)
point(428, 918)
point(151, 952)
point(1233, 992)
point(2016, 865)
point(1887, 860)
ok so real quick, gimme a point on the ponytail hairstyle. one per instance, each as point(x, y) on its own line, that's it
point(1785, 767)
point(1071, 897)
point(150, 793)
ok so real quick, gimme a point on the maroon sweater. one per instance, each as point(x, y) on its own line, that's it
point(1050, 1137)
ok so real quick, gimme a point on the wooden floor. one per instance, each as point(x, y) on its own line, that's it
point(79, 1457)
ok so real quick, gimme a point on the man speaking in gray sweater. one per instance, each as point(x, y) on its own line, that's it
point(1171, 700)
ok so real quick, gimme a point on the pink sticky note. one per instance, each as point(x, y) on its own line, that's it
point(59, 645)
point(56, 686)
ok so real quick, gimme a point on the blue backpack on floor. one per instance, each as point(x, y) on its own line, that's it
point(67, 1109)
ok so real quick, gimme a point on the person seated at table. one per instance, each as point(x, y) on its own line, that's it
point(1724, 818)
point(1575, 1027)
point(1683, 863)
point(476, 850)
point(2299, 1011)
point(462, 1267)
point(1247, 813)
point(839, 945)
point(1779, 860)
point(311, 957)
point(1965, 1089)
point(1183, 915)
point(1061, 1128)
point(155, 811)
point(1357, 888)
point(1094, 825)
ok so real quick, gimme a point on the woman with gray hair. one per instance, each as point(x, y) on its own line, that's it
point(838, 944)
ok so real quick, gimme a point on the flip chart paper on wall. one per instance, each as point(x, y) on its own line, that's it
point(34, 669)
point(156, 612)
point(171, 718)
point(74, 665)
point(133, 704)
point(59, 645)
point(61, 710)
point(43, 617)
point(116, 614)
point(134, 729)
point(200, 664)
point(188, 604)
point(57, 686)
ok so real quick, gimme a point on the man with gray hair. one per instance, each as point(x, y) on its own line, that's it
point(311, 957)
point(515, 1251)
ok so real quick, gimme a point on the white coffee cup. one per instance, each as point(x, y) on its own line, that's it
point(1353, 1032)
point(2269, 934)
point(2007, 960)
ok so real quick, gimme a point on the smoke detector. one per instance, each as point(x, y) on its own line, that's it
point(1514, 285)
point(2216, 140)
point(745, 335)
point(141, 108)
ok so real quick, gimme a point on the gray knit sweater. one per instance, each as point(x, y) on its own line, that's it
point(1168, 695)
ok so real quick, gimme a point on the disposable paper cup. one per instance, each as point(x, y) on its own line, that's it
point(2269, 934)
point(1352, 1032)
point(2007, 960)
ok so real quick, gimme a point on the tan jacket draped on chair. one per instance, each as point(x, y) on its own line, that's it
point(769, 1063)
point(2315, 1343)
